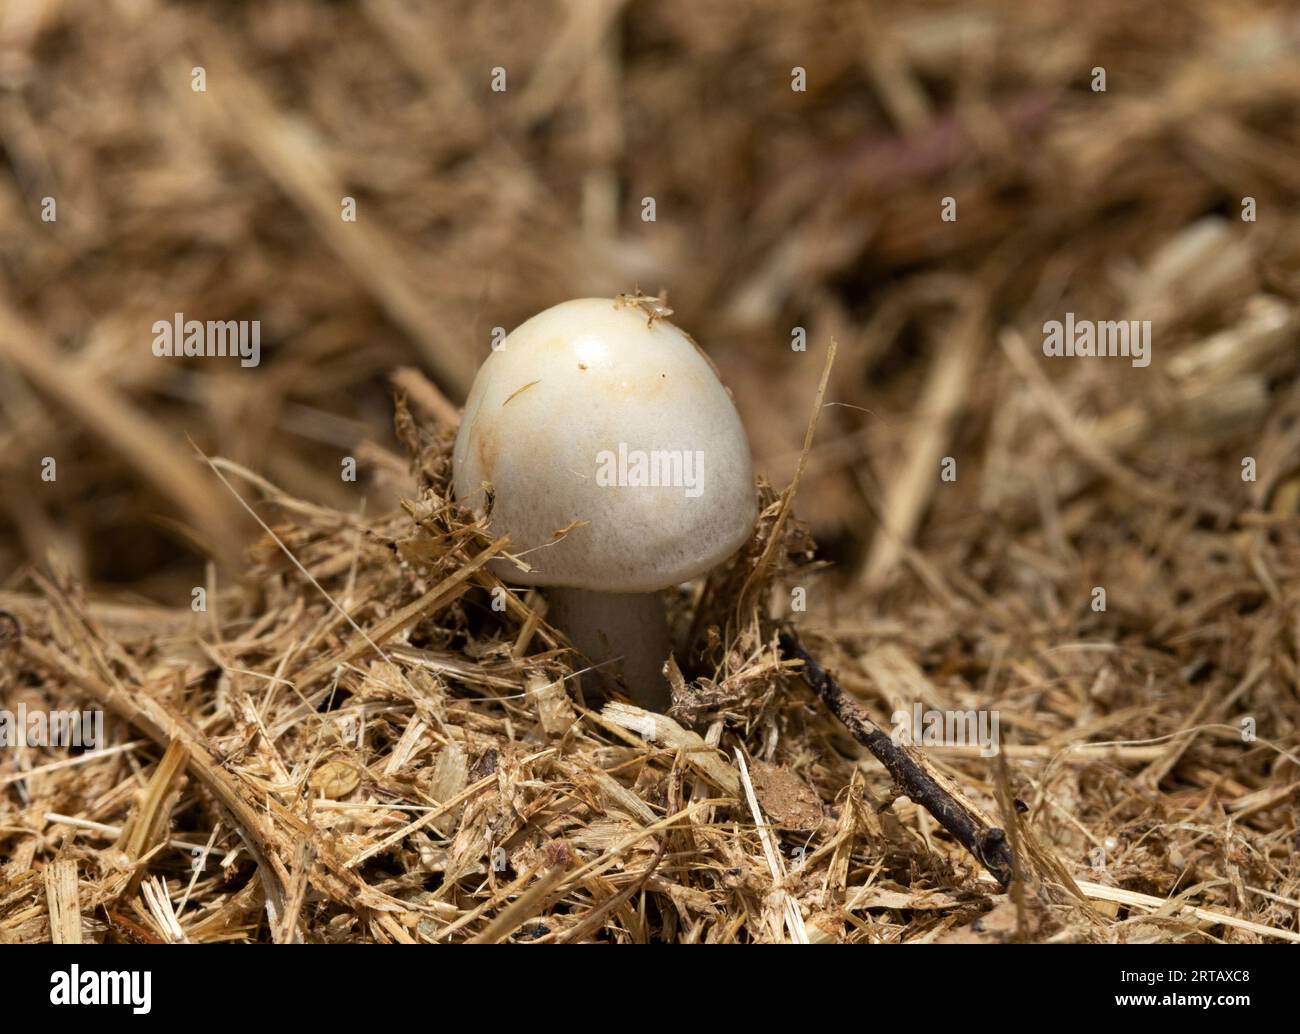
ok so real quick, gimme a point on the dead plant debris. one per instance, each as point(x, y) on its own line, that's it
point(348, 742)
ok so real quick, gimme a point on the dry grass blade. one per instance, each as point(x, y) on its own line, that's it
point(328, 718)
point(61, 892)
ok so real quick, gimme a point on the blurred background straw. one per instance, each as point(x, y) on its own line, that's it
point(775, 209)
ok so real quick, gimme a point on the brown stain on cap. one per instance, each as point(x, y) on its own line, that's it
point(488, 447)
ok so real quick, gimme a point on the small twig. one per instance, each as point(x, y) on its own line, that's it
point(985, 841)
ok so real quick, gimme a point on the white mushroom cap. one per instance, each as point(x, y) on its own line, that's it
point(564, 407)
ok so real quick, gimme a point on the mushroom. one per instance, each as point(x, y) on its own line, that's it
point(602, 442)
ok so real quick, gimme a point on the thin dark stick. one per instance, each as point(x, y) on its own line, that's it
point(986, 842)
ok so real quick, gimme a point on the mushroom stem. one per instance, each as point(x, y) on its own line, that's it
point(625, 633)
